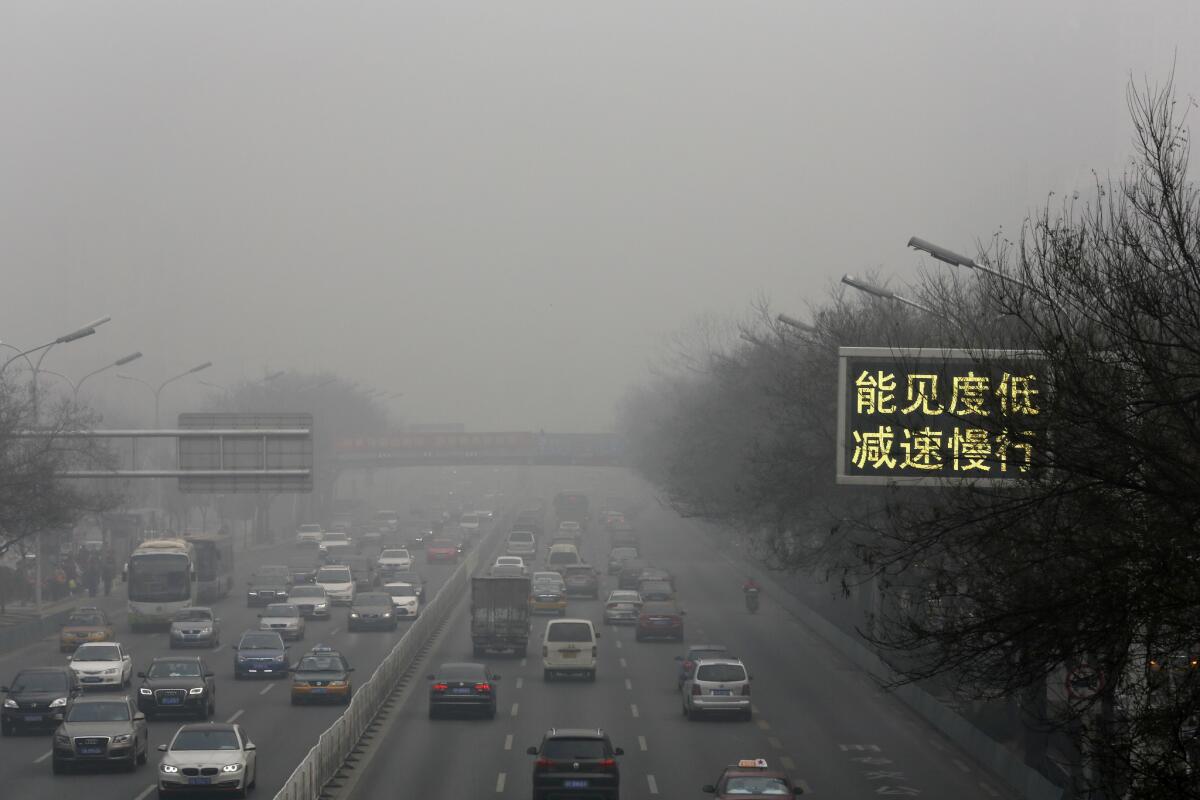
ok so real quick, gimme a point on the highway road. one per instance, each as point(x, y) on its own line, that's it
point(815, 714)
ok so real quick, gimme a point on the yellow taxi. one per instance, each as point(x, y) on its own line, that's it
point(86, 624)
point(548, 594)
point(322, 676)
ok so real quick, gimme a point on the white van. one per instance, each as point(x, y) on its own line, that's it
point(521, 543)
point(562, 556)
point(569, 646)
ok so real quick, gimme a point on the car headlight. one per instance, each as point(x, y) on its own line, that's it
point(58, 702)
point(231, 768)
point(10, 703)
point(121, 738)
point(145, 692)
point(111, 671)
point(337, 683)
point(63, 740)
point(319, 607)
point(387, 613)
point(281, 657)
point(170, 769)
point(242, 658)
point(353, 615)
point(196, 690)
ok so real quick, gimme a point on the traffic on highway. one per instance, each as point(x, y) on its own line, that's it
point(554, 675)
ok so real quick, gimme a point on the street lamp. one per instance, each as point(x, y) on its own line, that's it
point(163, 385)
point(273, 376)
point(78, 333)
point(954, 259)
point(792, 322)
point(886, 294)
point(120, 362)
point(212, 385)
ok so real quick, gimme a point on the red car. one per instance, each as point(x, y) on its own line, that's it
point(752, 778)
point(660, 620)
point(441, 550)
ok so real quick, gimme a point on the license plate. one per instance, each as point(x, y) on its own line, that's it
point(720, 692)
point(91, 680)
point(170, 701)
point(318, 690)
point(567, 654)
point(575, 783)
point(33, 717)
point(460, 690)
point(199, 781)
point(662, 622)
point(90, 751)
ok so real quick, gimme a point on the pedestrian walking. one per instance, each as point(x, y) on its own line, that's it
point(106, 575)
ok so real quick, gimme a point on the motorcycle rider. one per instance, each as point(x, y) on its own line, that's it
point(750, 585)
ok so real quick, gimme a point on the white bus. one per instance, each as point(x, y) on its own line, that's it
point(161, 574)
point(214, 565)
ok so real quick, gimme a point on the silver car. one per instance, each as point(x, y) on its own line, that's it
point(209, 755)
point(195, 627)
point(283, 618)
point(101, 730)
point(717, 686)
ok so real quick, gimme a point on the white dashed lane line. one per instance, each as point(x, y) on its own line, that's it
point(774, 742)
point(788, 762)
point(146, 792)
point(653, 784)
point(634, 709)
point(235, 716)
point(218, 648)
point(938, 745)
point(508, 742)
point(960, 765)
point(618, 644)
point(642, 743)
point(763, 725)
point(43, 756)
point(500, 782)
point(629, 684)
point(992, 792)
point(267, 688)
point(623, 664)
point(513, 713)
point(333, 631)
point(520, 682)
point(803, 785)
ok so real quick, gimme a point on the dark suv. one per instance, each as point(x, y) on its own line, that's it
point(36, 698)
point(177, 685)
point(576, 762)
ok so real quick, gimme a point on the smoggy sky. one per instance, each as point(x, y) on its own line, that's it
point(501, 209)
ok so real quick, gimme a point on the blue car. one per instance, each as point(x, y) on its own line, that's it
point(260, 654)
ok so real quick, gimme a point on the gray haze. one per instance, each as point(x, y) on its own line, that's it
point(501, 209)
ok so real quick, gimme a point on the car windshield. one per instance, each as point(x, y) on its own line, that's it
point(394, 554)
point(574, 748)
point(85, 619)
point(569, 632)
point(281, 610)
point(261, 642)
point(655, 587)
point(574, 572)
point(441, 543)
point(401, 590)
point(563, 557)
point(373, 599)
point(199, 739)
point(96, 653)
point(508, 571)
point(273, 571)
point(623, 553)
point(756, 785)
point(320, 664)
point(468, 519)
point(174, 669)
point(310, 528)
point(326, 575)
point(192, 615)
point(460, 672)
point(335, 536)
point(520, 536)
point(306, 591)
point(721, 673)
point(116, 711)
point(40, 682)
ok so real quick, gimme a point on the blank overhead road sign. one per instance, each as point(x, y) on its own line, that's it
point(231, 453)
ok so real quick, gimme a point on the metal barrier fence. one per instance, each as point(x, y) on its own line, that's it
point(334, 746)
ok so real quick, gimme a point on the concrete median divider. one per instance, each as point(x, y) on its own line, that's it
point(334, 746)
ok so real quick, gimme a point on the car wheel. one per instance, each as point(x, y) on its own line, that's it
point(145, 755)
point(491, 714)
point(432, 712)
point(349, 694)
point(547, 675)
point(592, 676)
point(132, 764)
point(254, 780)
point(295, 700)
point(164, 795)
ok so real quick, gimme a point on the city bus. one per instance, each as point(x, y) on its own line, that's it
point(214, 565)
point(161, 575)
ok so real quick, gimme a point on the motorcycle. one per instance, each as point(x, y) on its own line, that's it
point(752, 600)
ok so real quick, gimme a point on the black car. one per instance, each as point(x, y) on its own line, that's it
point(177, 685)
point(303, 570)
point(372, 610)
point(463, 687)
point(576, 762)
point(630, 576)
point(269, 585)
point(40, 695)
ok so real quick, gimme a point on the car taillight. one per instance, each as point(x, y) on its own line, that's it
point(440, 687)
point(695, 690)
point(485, 688)
point(544, 763)
point(608, 762)
point(746, 690)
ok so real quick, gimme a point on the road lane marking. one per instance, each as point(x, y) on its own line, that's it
point(642, 743)
point(43, 756)
point(988, 789)
point(938, 745)
point(508, 742)
point(762, 724)
point(236, 714)
point(754, 708)
point(788, 762)
point(804, 787)
point(146, 792)
point(629, 684)
point(500, 782)
point(633, 708)
point(960, 765)
point(218, 648)
point(771, 740)
point(523, 662)
point(513, 713)
point(267, 688)
point(652, 783)
point(618, 644)
point(520, 682)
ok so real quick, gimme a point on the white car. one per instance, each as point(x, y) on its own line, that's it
point(569, 646)
point(469, 523)
point(510, 561)
point(309, 533)
point(208, 754)
point(406, 599)
point(311, 600)
point(395, 560)
point(521, 543)
point(102, 664)
point(283, 618)
point(338, 583)
point(335, 542)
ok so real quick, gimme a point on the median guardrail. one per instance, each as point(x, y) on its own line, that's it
point(334, 746)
